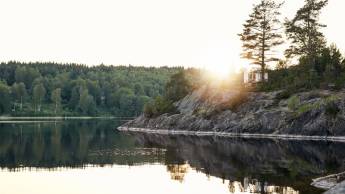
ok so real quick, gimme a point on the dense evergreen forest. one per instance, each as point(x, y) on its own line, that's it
point(51, 89)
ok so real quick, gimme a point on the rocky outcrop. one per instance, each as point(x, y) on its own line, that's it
point(329, 181)
point(314, 113)
point(338, 189)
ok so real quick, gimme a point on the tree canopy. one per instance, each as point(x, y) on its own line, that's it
point(73, 89)
point(304, 32)
point(261, 33)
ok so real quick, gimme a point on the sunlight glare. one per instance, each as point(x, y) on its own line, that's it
point(220, 72)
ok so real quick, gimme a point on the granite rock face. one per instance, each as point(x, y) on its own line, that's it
point(338, 189)
point(319, 113)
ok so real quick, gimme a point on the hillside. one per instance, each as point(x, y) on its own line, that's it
point(50, 89)
point(311, 113)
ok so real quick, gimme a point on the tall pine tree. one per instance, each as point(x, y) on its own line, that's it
point(261, 34)
point(56, 98)
point(304, 32)
point(39, 92)
point(19, 93)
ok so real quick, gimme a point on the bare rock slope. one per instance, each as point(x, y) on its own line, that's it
point(314, 113)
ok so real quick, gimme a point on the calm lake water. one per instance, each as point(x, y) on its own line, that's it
point(90, 156)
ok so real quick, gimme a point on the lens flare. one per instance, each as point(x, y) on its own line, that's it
point(221, 72)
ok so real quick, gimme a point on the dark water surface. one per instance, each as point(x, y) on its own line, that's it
point(90, 156)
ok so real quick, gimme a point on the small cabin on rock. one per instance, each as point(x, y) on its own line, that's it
point(253, 76)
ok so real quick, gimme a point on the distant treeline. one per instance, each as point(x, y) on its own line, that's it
point(48, 89)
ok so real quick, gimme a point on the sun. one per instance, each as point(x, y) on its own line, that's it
point(221, 72)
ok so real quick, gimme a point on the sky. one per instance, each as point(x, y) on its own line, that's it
point(153, 179)
point(199, 33)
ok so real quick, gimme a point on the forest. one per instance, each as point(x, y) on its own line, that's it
point(51, 89)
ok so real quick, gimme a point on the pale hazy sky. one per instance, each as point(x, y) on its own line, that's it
point(201, 33)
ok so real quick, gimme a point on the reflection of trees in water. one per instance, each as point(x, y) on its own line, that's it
point(281, 163)
point(66, 143)
point(178, 171)
point(80, 143)
point(256, 187)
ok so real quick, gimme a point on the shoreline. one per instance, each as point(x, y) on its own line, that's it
point(329, 181)
point(6, 118)
point(234, 135)
point(11, 120)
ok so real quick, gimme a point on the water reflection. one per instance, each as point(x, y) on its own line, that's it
point(69, 144)
point(230, 165)
point(178, 171)
point(256, 187)
point(277, 166)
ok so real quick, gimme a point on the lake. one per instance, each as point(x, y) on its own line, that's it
point(90, 156)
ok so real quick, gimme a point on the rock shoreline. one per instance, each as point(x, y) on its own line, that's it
point(318, 115)
point(233, 135)
point(328, 182)
point(337, 189)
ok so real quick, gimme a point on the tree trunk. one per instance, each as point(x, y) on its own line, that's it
point(21, 103)
point(310, 56)
point(263, 64)
point(39, 105)
point(263, 53)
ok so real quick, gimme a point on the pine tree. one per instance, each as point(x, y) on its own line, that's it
point(331, 62)
point(304, 32)
point(56, 98)
point(261, 34)
point(86, 102)
point(5, 101)
point(19, 92)
point(38, 95)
